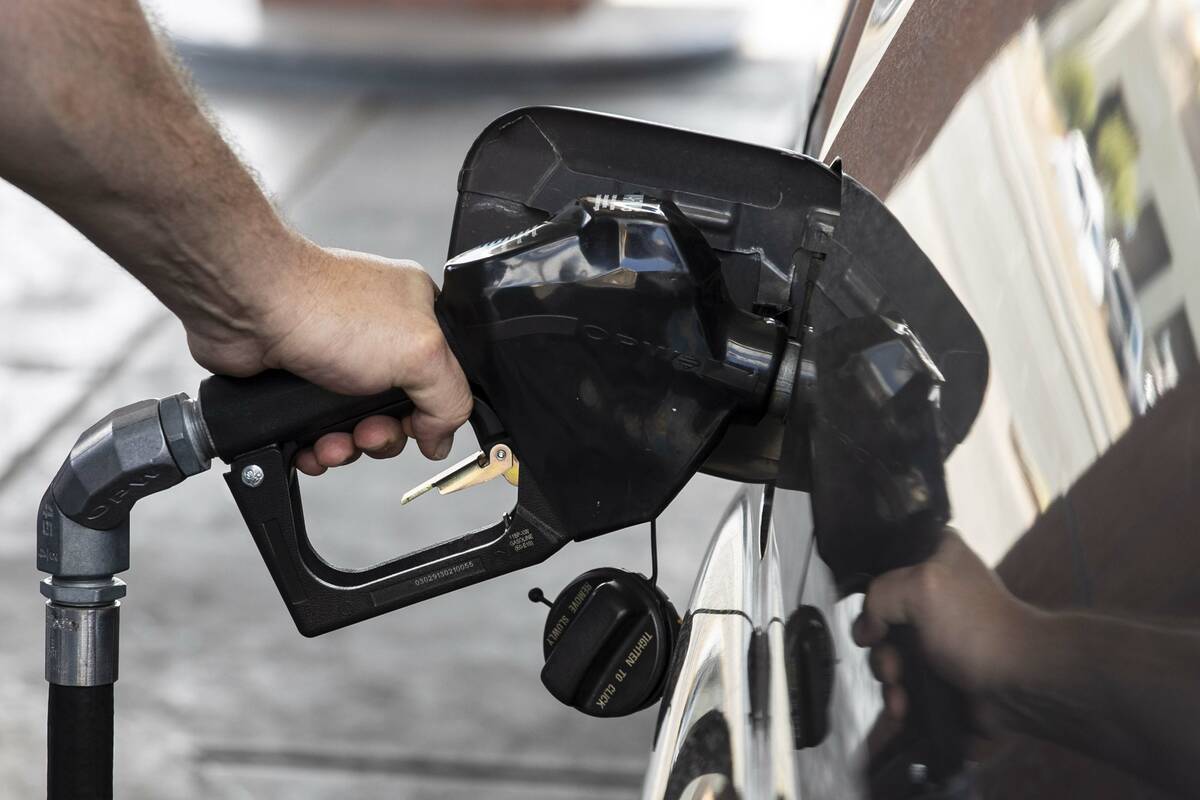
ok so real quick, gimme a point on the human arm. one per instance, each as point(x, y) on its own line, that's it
point(97, 123)
point(1121, 691)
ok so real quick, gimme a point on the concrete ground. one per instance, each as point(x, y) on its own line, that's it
point(219, 697)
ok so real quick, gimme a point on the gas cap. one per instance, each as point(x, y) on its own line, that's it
point(608, 643)
point(811, 662)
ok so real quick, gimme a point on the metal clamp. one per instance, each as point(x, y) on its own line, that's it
point(81, 644)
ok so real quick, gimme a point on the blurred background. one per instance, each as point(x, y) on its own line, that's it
point(356, 115)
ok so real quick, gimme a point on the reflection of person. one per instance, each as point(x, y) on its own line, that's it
point(96, 123)
point(1117, 690)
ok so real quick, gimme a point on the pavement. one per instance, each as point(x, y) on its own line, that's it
point(219, 696)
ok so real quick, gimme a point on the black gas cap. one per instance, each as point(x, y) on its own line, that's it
point(608, 643)
point(810, 662)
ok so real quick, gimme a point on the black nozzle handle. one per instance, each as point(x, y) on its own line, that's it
point(256, 425)
point(938, 722)
point(275, 407)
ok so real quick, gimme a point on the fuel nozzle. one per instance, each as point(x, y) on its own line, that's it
point(877, 443)
point(606, 335)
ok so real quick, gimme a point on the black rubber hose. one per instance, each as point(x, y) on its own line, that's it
point(79, 736)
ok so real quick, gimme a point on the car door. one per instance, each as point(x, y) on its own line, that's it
point(1075, 480)
point(1045, 155)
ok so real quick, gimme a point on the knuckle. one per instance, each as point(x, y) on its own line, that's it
point(428, 350)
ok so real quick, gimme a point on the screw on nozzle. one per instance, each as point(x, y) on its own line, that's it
point(537, 596)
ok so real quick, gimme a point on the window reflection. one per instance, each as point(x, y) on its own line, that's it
point(1045, 157)
point(1118, 71)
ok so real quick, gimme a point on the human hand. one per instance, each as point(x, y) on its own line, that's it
point(355, 324)
point(972, 631)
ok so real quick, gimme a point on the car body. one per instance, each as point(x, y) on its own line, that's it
point(946, 112)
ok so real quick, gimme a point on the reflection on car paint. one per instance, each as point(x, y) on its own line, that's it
point(1046, 157)
point(1049, 163)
